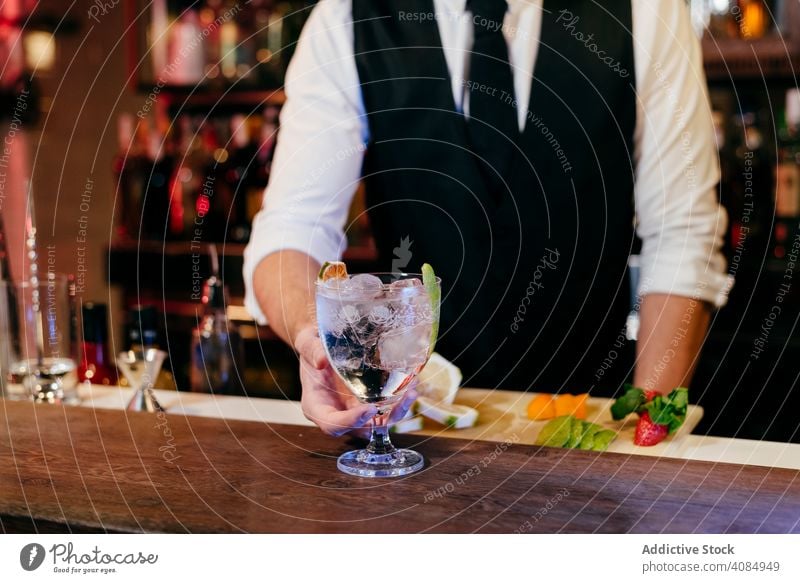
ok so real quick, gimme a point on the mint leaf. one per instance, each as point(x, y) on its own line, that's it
point(628, 403)
point(669, 410)
point(679, 398)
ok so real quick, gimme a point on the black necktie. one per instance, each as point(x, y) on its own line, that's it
point(493, 126)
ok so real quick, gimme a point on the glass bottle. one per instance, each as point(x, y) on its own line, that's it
point(752, 185)
point(187, 57)
point(217, 348)
point(128, 168)
point(159, 170)
point(721, 21)
point(214, 196)
point(8, 310)
point(787, 177)
point(241, 172)
point(96, 364)
point(753, 19)
point(229, 46)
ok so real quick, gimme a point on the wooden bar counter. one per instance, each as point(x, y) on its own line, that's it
point(73, 469)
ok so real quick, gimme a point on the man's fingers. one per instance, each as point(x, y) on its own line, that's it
point(401, 409)
point(338, 423)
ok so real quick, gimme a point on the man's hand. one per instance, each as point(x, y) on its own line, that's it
point(326, 401)
point(284, 285)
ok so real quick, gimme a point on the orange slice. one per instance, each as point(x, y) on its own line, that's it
point(574, 405)
point(545, 406)
point(580, 408)
point(541, 407)
point(564, 405)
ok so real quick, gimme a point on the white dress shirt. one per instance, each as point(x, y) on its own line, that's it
point(324, 132)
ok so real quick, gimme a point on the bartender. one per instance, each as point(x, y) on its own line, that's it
point(518, 147)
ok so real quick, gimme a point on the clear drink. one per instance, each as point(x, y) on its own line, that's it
point(377, 331)
point(376, 344)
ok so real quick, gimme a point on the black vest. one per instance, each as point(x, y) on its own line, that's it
point(535, 289)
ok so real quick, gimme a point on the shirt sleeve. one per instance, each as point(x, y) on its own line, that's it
point(320, 149)
point(679, 218)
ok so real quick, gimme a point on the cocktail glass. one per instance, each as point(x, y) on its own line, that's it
point(141, 367)
point(378, 330)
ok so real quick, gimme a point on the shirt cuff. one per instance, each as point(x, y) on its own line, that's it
point(690, 275)
point(271, 234)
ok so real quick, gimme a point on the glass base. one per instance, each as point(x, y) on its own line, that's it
point(399, 462)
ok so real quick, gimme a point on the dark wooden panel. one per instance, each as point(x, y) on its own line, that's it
point(107, 470)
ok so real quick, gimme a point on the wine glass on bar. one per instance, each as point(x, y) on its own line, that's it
point(378, 331)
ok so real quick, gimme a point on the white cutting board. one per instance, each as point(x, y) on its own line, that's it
point(502, 418)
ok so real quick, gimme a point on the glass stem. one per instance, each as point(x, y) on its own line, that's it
point(379, 440)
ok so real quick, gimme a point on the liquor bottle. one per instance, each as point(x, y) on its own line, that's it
point(266, 131)
point(787, 177)
point(186, 179)
point(721, 20)
point(186, 53)
point(96, 364)
point(229, 43)
point(246, 47)
point(753, 17)
point(128, 166)
point(142, 333)
point(159, 171)
point(8, 310)
point(269, 35)
point(721, 140)
point(158, 30)
point(240, 174)
point(214, 195)
point(751, 205)
point(5, 265)
point(217, 348)
point(74, 318)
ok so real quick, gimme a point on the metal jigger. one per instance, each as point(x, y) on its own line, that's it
point(141, 367)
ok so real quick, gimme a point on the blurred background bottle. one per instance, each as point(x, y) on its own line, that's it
point(738, 19)
point(197, 178)
point(223, 43)
point(787, 177)
point(7, 311)
point(217, 350)
point(96, 364)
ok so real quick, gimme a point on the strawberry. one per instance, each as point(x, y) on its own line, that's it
point(668, 411)
point(649, 433)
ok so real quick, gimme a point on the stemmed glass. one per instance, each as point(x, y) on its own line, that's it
point(141, 367)
point(378, 330)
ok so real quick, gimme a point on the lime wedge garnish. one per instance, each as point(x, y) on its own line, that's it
point(332, 270)
point(454, 416)
point(439, 380)
point(435, 296)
